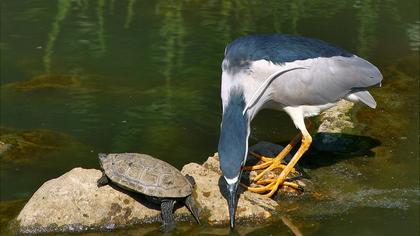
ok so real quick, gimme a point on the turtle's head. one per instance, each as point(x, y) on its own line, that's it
point(233, 145)
point(191, 180)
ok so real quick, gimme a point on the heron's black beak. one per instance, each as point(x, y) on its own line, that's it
point(232, 188)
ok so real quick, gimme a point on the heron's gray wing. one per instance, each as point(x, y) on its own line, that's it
point(325, 81)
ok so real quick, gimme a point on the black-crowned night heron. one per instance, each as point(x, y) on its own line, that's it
point(298, 75)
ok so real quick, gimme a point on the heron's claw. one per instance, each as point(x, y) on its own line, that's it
point(266, 162)
point(272, 185)
point(261, 157)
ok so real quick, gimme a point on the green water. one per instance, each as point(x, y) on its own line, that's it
point(144, 76)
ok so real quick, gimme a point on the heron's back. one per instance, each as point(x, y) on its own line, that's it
point(278, 49)
point(330, 73)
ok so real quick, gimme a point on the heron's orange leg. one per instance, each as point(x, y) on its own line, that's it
point(272, 187)
point(268, 161)
point(276, 162)
point(261, 157)
point(272, 163)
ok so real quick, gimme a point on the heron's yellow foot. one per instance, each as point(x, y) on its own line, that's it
point(285, 183)
point(274, 163)
point(261, 157)
point(272, 185)
point(266, 162)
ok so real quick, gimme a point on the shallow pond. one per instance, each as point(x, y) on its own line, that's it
point(83, 77)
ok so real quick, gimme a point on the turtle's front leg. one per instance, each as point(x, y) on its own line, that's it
point(102, 181)
point(168, 221)
point(192, 206)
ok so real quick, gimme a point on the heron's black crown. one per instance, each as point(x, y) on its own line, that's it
point(233, 135)
point(277, 49)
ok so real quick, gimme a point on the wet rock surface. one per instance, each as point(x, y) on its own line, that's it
point(73, 202)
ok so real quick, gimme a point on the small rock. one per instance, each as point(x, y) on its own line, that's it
point(4, 147)
point(208, 194)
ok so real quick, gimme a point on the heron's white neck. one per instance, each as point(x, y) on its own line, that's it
point(249, 86)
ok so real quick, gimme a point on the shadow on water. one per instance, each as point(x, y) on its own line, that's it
point(330, 148)
point(327, 149)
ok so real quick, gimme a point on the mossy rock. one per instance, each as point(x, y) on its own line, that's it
point(46, 82)
point(24, 146)
point(8, 211)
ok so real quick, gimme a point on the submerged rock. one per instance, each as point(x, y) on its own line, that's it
point(24, 146)
point(9, 209)
point(73, 202)
point(4, 147)
point(46, 82)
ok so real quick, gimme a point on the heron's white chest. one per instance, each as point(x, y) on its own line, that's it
point(305, 110)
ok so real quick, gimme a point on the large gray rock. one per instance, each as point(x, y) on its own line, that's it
point(73, 202)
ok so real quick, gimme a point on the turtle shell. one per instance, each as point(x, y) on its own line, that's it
point(145, 174)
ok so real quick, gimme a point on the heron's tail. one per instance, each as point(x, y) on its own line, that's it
point(363, 96)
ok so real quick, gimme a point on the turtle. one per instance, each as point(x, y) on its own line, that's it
point(159, 181)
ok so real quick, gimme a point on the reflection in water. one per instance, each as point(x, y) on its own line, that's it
point(413, 33)
point(173, 33)
point(367, 15)
point(111, 7)
point(296, 9)
point(62, 9)
point(136, 132)
point(130, 13)
point(101, 33)
point(224, 25)
point(291, 226)
point(243, 12)
point(82, 107)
